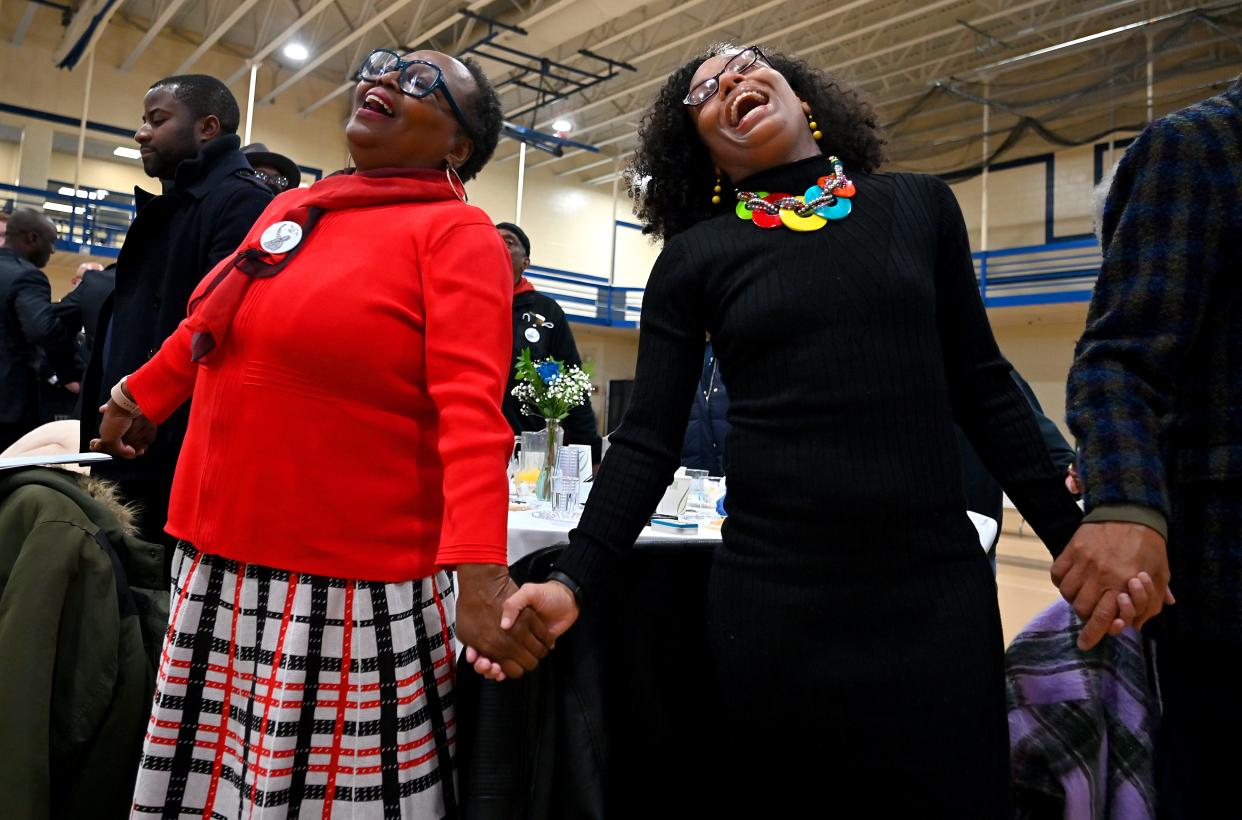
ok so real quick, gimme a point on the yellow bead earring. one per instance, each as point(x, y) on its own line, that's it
point(716, 192)
point(815, 132)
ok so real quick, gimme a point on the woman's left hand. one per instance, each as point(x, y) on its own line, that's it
point(122, 435)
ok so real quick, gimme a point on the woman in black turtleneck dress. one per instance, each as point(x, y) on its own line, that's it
point(853, 615)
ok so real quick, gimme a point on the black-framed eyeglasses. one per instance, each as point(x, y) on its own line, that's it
point(417, 78)
point(278, 180)
point(743, 61)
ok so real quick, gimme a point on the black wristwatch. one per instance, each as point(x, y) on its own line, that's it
point(574, 586)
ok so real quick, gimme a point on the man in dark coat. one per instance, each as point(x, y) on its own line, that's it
point(704, 445)
point(28, 324)
point(540, 324)
point(79, 310)
point(209, 201)
point(1155, 400)
point(983, 493)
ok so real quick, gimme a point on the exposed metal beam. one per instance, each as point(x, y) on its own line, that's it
point(677, 9)
point(392, 35)
point(888, 22)
point(345, 86)
point(261, 54)
point(1117, 92)
point(214, 37)
point(575, 153)
point(19, 34)
point(389, 11)
point(923, 90)
point(597, 162)
point(661, 49)
point(415, 22)
point(610, 176)
point(943, 58)
point(871, 54)
point(155, 28)
point(1100, 35)
point(935, 35)
point(809, 21)
point(260, 30)
point(367, 8)
point(79, 24)
point(697, 35)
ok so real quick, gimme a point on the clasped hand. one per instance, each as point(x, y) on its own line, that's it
point(1115, 574)
point(549, 606)
point(122, 435)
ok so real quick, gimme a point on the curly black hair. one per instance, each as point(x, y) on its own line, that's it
point(483, 117)
point(672, 175)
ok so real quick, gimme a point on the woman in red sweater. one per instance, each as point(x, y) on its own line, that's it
point(346, 446)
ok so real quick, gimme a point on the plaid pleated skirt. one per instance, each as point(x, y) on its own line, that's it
point(286, 695)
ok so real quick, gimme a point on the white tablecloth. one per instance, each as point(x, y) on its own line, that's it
point(528, 533)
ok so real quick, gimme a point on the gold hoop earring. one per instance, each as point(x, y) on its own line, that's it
point(450, 173)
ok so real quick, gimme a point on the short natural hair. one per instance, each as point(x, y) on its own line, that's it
point(483, 117)
point(27, 220)
point(205, 96)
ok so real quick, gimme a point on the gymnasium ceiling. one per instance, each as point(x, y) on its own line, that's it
point(1051, 73)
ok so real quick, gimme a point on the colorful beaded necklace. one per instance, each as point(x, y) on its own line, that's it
point(828, 198)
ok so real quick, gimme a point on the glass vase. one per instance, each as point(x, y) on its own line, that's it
point(555, 437)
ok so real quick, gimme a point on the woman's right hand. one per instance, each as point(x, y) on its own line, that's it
point(122, 435)
point(551, 601)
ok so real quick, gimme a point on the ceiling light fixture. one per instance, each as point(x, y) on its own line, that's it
point(296, 51)
point(62, 208)
point(127, 153)
point(562, 126)
point(65, 190)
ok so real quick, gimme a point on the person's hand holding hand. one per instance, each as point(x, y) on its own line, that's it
point(1115, 574)
point(485, 589)
point(1072, 481)
point(122, 435)
point(552, 601)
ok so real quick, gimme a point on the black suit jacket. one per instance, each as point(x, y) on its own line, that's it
point(79, 310)
point(28, 323)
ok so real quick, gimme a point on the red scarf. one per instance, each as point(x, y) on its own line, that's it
point(212, 311)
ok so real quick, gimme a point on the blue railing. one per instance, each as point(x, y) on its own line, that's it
point(1061, 272)
point(589, 299)
point(1038, 274)
point(93, 222)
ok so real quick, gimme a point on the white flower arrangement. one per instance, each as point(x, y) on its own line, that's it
point(548, 389)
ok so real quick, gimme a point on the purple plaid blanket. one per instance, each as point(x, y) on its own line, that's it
point(1081, 724)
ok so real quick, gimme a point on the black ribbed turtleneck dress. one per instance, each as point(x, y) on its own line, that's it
point(852, 612)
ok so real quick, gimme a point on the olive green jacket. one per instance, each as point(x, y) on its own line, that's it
point(82, 611)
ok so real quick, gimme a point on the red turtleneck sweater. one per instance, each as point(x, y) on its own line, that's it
point(348, 424)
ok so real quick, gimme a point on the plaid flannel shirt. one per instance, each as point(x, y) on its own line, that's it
point(1155, 392)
